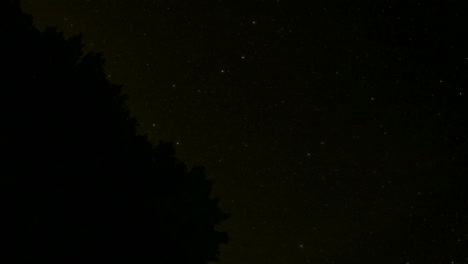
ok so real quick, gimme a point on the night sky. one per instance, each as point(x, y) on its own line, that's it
point(335, 131)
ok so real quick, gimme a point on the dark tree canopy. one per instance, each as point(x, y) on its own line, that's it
point(78, 184)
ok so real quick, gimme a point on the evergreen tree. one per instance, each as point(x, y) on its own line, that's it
point(78, 184)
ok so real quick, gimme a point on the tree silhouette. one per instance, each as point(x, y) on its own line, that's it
point(78, 184)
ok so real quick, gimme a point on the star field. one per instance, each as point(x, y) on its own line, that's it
point(334, 132)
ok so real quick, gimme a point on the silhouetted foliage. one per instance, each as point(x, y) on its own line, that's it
point(78, 184)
